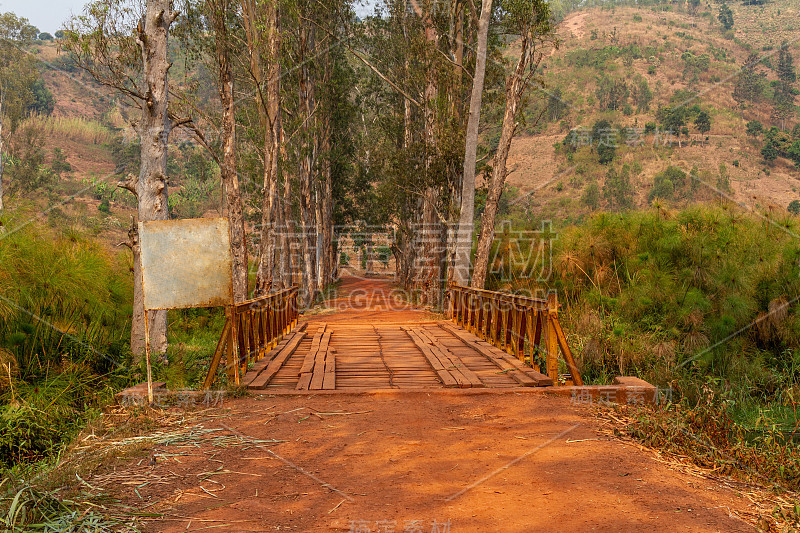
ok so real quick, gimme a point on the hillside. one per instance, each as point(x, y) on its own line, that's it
point(90, 128)
point(649, 45)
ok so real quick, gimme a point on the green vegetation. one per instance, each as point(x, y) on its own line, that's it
point(725, 16)
point(703, 301)
point(63, 337)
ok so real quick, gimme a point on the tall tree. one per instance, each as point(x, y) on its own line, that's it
point(463, 244)
point(530, 20)
point(133, 61)
point(219, 11)
point(17, 76)
point(262, 27)
point(784, 97)
point(749, 84)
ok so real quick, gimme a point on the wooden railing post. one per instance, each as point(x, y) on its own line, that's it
point(550, 337)
point(252, 329)
point(511, 321)
point(233, 350)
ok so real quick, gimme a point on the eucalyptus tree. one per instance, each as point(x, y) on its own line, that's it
point(463, 237)
point(261, 20)
point(17, 75)
point(124, 46)
point(530, 21)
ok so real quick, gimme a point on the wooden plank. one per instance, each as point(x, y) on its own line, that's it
point(305, 380)
point(308, 362)
point(472, 379)
point(318, 374)
point(262, 379)
point(445, 376)
point(497, 356)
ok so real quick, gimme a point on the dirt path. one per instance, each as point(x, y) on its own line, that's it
point(489, 462)
point(371, 300)
point(444, 460)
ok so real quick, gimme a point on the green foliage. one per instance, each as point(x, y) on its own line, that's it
point(617, 189)
point(784, 93)
point(725, 16)
point(612, 93)
point(383, 254)
point(794, 207)
point(779, 143)
point(27, 169)
point(30, 509)
point(695, 299)
point(703, 122)
point(694, 65)
point(64, 327)
point(669, 184)
point(672, 118)
point(591, 196)
point(59, 163)
point(42, 100)
point(754, 128)
point(705, 430)
point(751, 81)
point(641, 94)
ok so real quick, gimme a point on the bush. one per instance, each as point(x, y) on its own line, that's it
point(591, 196)
point(617, 189)
point(667, 183)
point(754, 128)
point(64, 321)
point(794, 207)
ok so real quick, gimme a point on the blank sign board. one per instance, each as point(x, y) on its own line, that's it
point(186, 263)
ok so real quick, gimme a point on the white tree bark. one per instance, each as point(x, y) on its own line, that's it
point(463, 245)
point(151, 186)
point(515, 85)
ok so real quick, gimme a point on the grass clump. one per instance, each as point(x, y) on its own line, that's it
point(704, 301)
point(64, 322)
point(74, 128)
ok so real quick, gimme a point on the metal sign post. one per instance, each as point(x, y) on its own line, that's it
point(185, 263)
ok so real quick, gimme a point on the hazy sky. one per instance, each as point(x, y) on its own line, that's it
point(49, 15)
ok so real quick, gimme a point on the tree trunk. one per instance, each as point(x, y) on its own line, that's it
point(230, 180)
point(287, 229)
point(268, 102)
point(463, 245)
point(327, 224)
point(514, 88)
point(327, 259)
point(308, 152)
point(151, 186)
point(430, 251)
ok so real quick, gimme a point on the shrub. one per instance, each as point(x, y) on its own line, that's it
point(754, 128)
point(667, 183)
point(64, 320)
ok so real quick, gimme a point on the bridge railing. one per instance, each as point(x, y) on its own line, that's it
point(521, 325)
point(252, 328)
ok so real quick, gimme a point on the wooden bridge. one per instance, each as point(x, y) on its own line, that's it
point(368, 337)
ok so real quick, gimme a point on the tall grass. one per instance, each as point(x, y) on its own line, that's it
point(74, 128)
point(64, 321)
point(705, 301)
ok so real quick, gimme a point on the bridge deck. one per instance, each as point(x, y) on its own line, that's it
point(410, 355)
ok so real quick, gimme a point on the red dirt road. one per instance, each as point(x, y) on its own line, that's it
point(400, 461)
point(392, 461)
